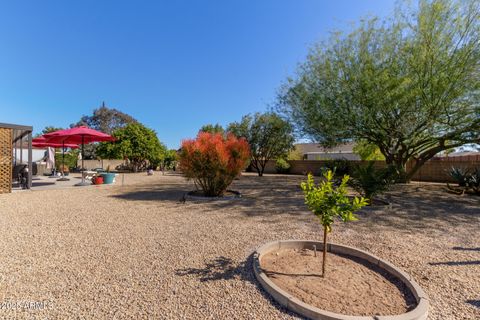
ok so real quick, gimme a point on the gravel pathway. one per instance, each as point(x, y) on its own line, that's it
point(137, 252)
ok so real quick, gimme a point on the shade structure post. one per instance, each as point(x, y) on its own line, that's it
point(83, 157)
point(63, 164)
point(30, 165)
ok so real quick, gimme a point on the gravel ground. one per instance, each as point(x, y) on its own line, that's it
point(137, 252)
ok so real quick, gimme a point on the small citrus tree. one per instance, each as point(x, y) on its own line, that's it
point(213, 161)
point(327, 201)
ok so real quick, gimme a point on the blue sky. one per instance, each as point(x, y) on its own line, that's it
point(173, 65)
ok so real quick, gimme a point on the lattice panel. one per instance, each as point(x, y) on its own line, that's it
point(6, 158)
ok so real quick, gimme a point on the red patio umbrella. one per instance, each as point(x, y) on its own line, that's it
point(41, 142)
point(78, 135)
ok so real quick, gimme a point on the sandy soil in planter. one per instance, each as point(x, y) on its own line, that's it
point(352, 286)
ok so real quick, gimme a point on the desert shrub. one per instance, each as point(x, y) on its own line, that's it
point(213, 161)
point(328, 202)
point(370, 182)
point(339, 167)
point(282, 166)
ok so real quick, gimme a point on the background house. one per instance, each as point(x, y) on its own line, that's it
point(313, 151)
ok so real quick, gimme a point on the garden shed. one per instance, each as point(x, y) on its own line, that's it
point(15, 150)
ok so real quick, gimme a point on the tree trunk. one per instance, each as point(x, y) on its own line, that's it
point(400, 166)
point(262, 169)
point(324, 250)
point(418, 164)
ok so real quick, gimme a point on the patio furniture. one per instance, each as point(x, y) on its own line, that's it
point(78, 135)
point(43, 142)
point(88, 175)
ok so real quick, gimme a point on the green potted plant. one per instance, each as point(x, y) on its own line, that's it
point(108, 177)
point(327, 202)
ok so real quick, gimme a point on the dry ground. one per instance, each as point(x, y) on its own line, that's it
point(137, 252)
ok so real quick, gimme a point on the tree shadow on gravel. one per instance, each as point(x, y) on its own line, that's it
point(164, 192)
point(465, 249)
point(455, 263)
point(220, 268)
point(475, 303)
point(224, 268)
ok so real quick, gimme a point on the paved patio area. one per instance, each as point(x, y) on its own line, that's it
point(137, 251)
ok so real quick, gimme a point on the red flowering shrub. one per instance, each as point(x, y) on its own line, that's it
point(213, 161)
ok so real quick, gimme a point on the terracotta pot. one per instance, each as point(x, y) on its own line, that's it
point(97, 180)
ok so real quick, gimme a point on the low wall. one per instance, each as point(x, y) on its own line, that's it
point(92, 164)
point(431, 171)
point(437, 170)
point(312, 166)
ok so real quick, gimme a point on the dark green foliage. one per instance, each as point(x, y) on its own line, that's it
point(269, 136)
point(135, 143)
point(49, 129)
point(282, 166)
point(339, 167)
point(210, 128)
point(71, 158)
point(370, 182)
point(106, 120)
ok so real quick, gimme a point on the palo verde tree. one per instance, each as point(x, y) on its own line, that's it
point(328, 202)
point(409, 85)
point(269, 136)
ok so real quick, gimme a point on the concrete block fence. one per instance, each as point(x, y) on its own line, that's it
point(432, 171)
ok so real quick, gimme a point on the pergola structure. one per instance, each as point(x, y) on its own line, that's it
point(14, 140)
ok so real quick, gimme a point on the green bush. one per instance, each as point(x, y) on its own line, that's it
point(370, 182)
point(70, 160)
point(339, 167)
point(282, 166)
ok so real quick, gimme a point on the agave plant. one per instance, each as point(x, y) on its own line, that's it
point(459, 175)
point(468, 181)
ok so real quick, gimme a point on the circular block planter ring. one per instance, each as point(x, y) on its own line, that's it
point(296, 305)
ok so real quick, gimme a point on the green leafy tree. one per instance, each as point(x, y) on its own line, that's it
point(269, 136)
point(409, 85)
point(368, 151)
point(49, 129)
point(135, 143)
point(295, 154)
point(106, 120)
point(170, 159)
point(210, 128)
point(328, 202)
